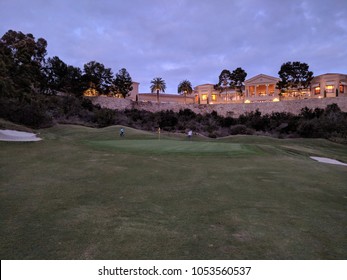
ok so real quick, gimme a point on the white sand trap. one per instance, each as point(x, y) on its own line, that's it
point(14, 135)
point(329, 160)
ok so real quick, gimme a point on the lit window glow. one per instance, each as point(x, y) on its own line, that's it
point(329, 89)
point(91, 92)
point(342, 89)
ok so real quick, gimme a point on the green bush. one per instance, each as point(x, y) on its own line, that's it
point(167, 120)
point(331, 122)
point(309, 128)
point(104, 117)
point(240, 129)
point(33, 114)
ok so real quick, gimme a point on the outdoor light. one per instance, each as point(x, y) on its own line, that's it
point(275, 100)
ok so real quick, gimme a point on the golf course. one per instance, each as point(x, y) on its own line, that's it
point(87, 193)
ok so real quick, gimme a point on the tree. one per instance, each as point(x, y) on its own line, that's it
point(22, 59)
point(294, 76)
point(97, 77)
point(123, 83)
point(224, 82)
point(74, 82)
point(158, 85)
point(185, 87)
point(61, 77)
point(238, 77)
point(7, 86)
point(55, 73)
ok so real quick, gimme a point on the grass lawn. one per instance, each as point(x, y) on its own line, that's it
point(84, 193)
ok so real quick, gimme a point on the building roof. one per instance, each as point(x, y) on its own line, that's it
point(207, 84)
point(261, 76)
point(328, 74)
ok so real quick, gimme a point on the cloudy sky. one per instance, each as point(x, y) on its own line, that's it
point(186, 39)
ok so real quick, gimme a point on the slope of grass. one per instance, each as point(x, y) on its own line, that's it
point(4, 124)
point(85, 193)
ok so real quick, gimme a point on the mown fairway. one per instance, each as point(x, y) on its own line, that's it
point(84, 193)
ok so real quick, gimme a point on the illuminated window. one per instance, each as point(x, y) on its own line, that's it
point(329, 89)
point(317, 90)
point(204, 97)
point(214, 97)
point(342, 89)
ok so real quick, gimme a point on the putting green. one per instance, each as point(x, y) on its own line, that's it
point(178, 147)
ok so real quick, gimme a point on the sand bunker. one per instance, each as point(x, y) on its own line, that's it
point(329, 160)
point(13, 135)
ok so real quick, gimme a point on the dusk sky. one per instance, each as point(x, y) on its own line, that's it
point(186, 39)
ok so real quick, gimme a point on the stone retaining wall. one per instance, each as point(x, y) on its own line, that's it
point(112, 102)
point(291, 106)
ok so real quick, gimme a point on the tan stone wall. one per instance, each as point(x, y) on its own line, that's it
point(112, 102)
point(165, 98)
point(291, 106)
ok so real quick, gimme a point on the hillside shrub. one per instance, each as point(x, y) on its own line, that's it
point(33, 114)
point(254, 120)
point(167, 120)
point(240, 129)
point(104, 117)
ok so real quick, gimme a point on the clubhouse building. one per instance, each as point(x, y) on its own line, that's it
point(260, 88)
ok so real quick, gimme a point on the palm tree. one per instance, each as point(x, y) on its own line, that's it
point(158, 84)
point(185, 87)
